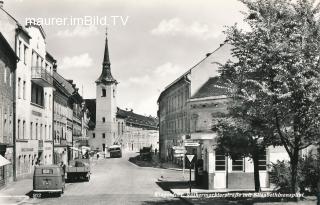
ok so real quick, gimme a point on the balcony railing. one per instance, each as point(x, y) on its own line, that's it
point(41, 76)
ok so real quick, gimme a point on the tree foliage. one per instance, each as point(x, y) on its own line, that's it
point(276, 73)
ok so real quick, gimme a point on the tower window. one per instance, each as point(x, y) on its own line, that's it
point(103, 135)
point(103, 119)
point(93, 135)
point(104, 92)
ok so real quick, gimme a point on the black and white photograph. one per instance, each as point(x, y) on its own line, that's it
point(156, 102)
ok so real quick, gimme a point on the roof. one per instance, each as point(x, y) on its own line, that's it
point(50, 58)
point(19, 26)
point(33, 23)
point(136, 119)
point(189, 71)
point(8, 50)
point(129, 116)
point(106, 75)
point(213, 87)
point(66, 85)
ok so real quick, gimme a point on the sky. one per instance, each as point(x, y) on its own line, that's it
point(151, 42)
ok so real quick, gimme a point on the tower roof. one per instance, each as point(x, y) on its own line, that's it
point(106, 76)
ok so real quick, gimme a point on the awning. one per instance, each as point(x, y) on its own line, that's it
point(203, 136)
point(4, 161)
point(87, 148)
point(75, 149)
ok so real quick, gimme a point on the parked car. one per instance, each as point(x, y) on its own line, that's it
point(115, 151)
point(48, 179)
point(78, 169)
point(146, 154)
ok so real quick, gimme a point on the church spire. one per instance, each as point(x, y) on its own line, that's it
point(106, 60)
point(106, 76)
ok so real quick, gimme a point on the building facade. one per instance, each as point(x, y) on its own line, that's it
point(8, 63)
point(63, 115)
point(206, 103)
point(173, 116)
point(33, 94)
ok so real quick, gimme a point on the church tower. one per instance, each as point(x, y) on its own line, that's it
point(106, 107)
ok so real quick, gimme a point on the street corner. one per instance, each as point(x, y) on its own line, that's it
point(8, 200)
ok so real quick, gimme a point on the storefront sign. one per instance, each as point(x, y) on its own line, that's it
point(36, 113)
point(26, 149)
point(191, 144)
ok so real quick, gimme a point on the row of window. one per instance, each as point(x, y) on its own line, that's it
point(36, 59)
point(175, 126)
point(21, 93)
point(176, 100)
point(39, 97)
point(7, 126)
point(238, 163)
point(7, 77)
point(37, 131)
point(22, 52)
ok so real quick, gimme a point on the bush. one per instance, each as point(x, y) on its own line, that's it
point(310, 173)
point(280, 176)
point(307, 176)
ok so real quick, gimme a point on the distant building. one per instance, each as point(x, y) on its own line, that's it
point(110, 125)
point(8, 64)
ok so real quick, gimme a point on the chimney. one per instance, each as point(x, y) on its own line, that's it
point(208, 54)
point(1, 3)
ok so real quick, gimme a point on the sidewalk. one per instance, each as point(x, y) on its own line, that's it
point(202, 197)
point(15, 192)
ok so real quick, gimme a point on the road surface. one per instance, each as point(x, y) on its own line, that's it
point(116, 181)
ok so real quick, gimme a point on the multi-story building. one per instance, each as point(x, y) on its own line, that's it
point(76, 102)
point(174, 120)
point(8, 63)
point(205, 105)
point(173, 116)
point(62, 136)
point(33, 81)
point(136, 131)
point(110, 125)
point(41, 101)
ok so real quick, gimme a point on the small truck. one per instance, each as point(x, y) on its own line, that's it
point(78, 169)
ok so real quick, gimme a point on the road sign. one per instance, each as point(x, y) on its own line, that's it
point(180, 151)
point(190, 157)
point(178, 155)
point(191, 144)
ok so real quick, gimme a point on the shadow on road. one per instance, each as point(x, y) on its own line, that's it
point(167, 185)
point(32, 194)
point(144, 163)
point(162, 202)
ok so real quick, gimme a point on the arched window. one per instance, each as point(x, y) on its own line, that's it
point(103, 119)
point(104, 92)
